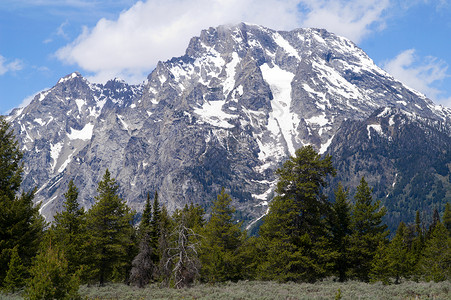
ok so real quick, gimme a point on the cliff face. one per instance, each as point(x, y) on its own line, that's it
point(226, 114)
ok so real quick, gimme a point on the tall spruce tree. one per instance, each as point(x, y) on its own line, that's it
point(221, 244)
point(340, 229)
point(400, 258)
point(368, 231)
point(435, 263)
point(380, 265)
point(50, 277)
point(110, 230)
point(21, 225)
point(294, 229)
point(15, 277)
point(68, 228)
point(155, 223)
point(447, 217)
point(435, 221)
point(146, 218)
point(144, 264)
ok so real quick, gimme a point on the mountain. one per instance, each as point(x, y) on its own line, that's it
point(406, 158)
point(226, 114)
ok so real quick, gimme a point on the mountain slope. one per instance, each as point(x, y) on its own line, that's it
point(406, 158)
point(227, 113)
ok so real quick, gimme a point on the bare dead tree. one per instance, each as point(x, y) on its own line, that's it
point(183, 259)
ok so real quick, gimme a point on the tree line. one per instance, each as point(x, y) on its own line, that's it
point(303, 237)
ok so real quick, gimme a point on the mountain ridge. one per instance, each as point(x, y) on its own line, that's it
point(227, 113)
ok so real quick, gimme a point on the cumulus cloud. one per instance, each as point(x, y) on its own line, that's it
point(419, 73)
point(7, 66)
point(130, 46)
point(352, 19)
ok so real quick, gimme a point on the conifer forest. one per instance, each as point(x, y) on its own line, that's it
point(304, 238)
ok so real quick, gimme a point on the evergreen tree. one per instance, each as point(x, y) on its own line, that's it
point(222, 241)
point(193, 216)
point(110, 230)
point(418, 227)
point(447, 217)
point(146, 218)
point(68, 228)
point(367, 231)
point(340, 228)
point(400, 258)
point(166, 225)
point(144, 263)
point(15, 277)
point(417, 244)
point(435, 221)
point(294, 229)
point(380, 265)
point(10, 167)
point(435, 263)
point(21, 225)
point(50, 277)
point(155, 224)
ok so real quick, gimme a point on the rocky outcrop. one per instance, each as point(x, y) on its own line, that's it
point(226, 114)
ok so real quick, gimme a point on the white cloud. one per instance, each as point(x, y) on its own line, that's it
point(130, 46)
point(352, 19)
point(420, 73)
point(5, 66)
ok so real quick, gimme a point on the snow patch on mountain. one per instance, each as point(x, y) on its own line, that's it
point(284, 44)
point(211, 112)
point(281, 119)
point(84, 134)
point(376, 127)
point(55, 150)
point(229, 82)
point(80, 103)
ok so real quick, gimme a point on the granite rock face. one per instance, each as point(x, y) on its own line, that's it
point(226, 114)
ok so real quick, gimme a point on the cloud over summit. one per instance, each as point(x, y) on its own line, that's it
point(130, 46)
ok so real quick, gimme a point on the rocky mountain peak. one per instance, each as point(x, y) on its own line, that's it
point(226, 114)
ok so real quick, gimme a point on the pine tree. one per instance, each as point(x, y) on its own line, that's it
point(221, 244)
point(50, 277)
point(15, 277)
point(193, 216)
point(418, 228)
point(380, 265)
point(367, 231)
point(340, 228)
point(68, 228)
point(146, 217)
point(166, 225)
point(435, 221)
point(400, 258)
point(21, 225)
point(435, 263)
point(110, 230)
point(294, 229)
point(155, 224)
point(447, 217)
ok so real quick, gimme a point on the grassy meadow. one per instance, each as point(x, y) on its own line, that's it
point(326, 289)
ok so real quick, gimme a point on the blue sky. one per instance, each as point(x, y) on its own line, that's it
point(44, 40)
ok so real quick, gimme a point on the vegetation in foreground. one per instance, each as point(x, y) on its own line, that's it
point(304, 238)
point(326, 289)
